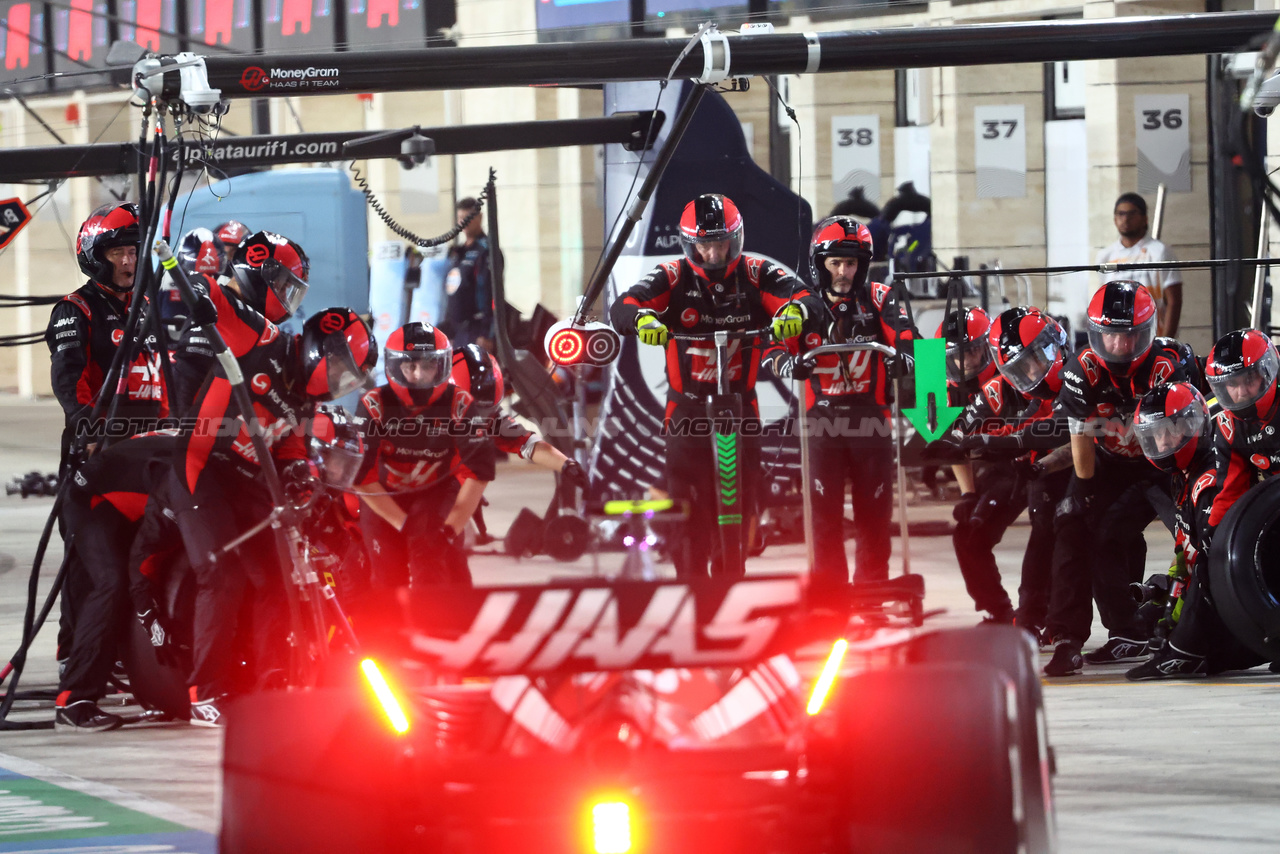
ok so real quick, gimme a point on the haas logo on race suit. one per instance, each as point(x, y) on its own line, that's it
point(145, 379)
point(581, 627)
point(404, 476)
point(703, 362)
point(844, 374)
point(273, 430)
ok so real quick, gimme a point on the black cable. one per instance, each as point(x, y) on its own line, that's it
point(400, 230)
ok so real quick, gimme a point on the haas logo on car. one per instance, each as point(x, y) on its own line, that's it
point(572, 626)
point(689, 317)
point(261, 383)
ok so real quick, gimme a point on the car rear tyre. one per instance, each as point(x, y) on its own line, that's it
point(1012, 651)
point(931, 761)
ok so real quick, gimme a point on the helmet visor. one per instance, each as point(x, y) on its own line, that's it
point(1164, 435)
point(1028, 369)
point(1122, 345)
point(288, 287)
point(714, 251)
point(419, 368)
point(966, 361)
point(338, 461)
point(340, 375)
point(1243, 388)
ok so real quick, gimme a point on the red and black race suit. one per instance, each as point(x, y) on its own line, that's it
point(512, 437)
point(1252, 451)
point(999, 409)
point(1093, 394)
point(747, 299)
point(268, 360)
point(193, 357)
point(860, 379)
point(85, 329)
point(410, 448)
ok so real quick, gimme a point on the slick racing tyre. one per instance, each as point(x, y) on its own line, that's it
point(321, 771)
point(1012, 651)
point(930, 762)
point(1244, 569)
point(155, 685)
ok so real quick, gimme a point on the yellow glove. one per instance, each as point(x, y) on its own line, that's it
point(651, 330)
point(788, 322)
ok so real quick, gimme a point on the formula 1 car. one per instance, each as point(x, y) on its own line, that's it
point(606, 717)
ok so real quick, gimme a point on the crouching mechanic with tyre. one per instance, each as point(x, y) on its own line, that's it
point(1177, 435)
point(425, 467)
point(219, 492)
point(714, 287)
point(847, 396)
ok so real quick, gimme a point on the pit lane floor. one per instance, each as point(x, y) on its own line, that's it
point(1161, 768)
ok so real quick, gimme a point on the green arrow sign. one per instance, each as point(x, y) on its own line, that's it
point(931, 415)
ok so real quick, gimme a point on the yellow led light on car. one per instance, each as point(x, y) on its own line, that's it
point(827, 678)
point(381, 690)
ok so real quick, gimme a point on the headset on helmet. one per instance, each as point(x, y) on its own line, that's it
point(200, 251)
point(106, 228)
point(968, 355)
point(477, 372)
point(1122, 324)
point(1170, 421)
point(711, 218)
point(839, 237)
point(336, 446)
point(272, 271)
point(418, 362)
point(1242, 371)
point(338, 351)
point(1028, 347)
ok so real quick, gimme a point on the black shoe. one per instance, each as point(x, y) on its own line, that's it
point(85, 716)
point(1117, 649)
point(1170, 663)
point(1066, 660)
point(208, 713)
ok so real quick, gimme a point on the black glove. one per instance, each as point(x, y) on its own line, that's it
point(574, 475)
point(900, 366)
point(944, 450)
point(792, 368)
point(965, 507)
point(161, 640)
point(1080, 497)
point(1028, 469)
point(203, 313)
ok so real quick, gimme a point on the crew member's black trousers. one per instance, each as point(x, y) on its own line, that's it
point(1002, 496)
point(1099, 552)
point(691, 474)
point(415, 555)
point(850, 450)
point(1043, 496)
point(100, 610)
point(224, 505)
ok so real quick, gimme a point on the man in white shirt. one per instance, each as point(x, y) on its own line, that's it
point(1135, 246)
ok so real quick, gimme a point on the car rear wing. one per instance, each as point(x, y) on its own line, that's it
point(604, 625)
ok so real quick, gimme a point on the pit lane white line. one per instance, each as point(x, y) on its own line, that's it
point(109, 793)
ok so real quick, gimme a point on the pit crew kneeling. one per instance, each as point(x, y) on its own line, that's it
point(425, 467)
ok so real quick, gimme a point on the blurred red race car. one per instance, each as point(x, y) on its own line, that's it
point(716, 717)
